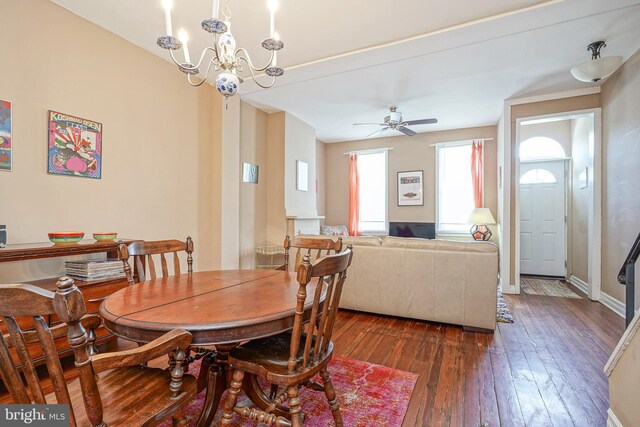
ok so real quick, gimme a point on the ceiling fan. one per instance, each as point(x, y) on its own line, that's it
point(394, 121)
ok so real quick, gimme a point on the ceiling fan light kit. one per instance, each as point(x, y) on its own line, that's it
point(597, 68)
point(394, 121)
point(225, 57)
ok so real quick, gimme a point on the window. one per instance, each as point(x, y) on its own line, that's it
point(538, 176)
point(454, 189)
point(372, 171)
point(541, 147)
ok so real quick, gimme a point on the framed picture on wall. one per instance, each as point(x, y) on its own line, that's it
point(6, 158)
point(410, 188)
point(302, 175)
point(75, 146)
point(250, 173)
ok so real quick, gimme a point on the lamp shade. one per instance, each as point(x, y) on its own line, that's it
point(596, 69)
point(481, 216)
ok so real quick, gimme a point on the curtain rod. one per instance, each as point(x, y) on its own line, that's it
point(369, 151)
point(461, 142)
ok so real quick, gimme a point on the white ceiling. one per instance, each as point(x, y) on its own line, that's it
point(348, 61)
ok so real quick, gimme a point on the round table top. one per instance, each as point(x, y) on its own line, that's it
point(217, 307)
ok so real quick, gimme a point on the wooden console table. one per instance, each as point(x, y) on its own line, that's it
point(94, 291)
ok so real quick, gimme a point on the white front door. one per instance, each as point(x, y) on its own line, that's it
point(542, 218)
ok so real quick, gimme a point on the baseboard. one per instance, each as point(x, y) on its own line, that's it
point(607, 300)
point(612, 420)
point(580, 284)
point(613, 304)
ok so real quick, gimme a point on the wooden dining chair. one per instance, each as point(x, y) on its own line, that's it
point(113, 389)
point(305, 245)
point(143, 252)
point(293, 358)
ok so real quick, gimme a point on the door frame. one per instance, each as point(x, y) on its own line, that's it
point(566, 162)
point(595, 209)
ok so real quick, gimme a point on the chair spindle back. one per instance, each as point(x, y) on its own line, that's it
point(142, 253)
point(23, 300)
point(331, 273)
point(306, 245)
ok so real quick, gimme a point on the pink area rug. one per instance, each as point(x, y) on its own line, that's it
point(369, 395)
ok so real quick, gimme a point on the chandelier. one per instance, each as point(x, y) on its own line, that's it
point(224, 58)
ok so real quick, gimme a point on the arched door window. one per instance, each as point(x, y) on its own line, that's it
point(541, 147)
point(538, 176)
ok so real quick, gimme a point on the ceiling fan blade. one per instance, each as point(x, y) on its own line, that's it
point(421, 122)
point(377, 132)
point(406, 131)
point(369, 124)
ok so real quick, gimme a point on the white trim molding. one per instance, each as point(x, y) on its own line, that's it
point(580, 284)
point(612, 420)
point(613, 304)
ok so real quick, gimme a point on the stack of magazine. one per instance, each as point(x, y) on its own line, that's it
point(94, 270)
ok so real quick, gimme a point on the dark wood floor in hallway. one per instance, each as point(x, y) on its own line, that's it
point(546, 369)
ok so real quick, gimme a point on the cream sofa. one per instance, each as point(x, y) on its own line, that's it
point(437, 280)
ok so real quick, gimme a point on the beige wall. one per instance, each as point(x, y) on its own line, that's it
point(408, 154)
point(276, 223)
point(532, 110)
point(321, 173)
point(621, 174)
point(300, 144)
point(157, 176)
point(253, 197)
point(581, 140)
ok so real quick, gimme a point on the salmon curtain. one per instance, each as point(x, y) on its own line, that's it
point(354, 196)
point(476, 173)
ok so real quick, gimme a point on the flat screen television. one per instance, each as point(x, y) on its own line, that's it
point(424, 230)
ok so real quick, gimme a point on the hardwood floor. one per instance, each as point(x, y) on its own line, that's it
point(546, 369)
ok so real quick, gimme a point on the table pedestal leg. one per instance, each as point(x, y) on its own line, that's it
point(214, 375)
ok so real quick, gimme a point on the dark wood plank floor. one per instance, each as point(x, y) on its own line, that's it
point(546, 369)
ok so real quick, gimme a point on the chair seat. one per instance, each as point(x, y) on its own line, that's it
point(269, 358)
point(135, 396)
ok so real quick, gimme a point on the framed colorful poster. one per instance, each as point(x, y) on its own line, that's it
point(6, 159)
point(410, 186)
point(75, 146)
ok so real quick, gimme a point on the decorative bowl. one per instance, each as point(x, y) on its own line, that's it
point(66, 236)
point(101, 237)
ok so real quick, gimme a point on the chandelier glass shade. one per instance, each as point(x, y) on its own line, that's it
point(222, 56)
point(597, 68)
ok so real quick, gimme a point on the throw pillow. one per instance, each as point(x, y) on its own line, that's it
point(334, 230)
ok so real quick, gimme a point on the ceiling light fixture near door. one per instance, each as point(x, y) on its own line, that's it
point(226, 58)
point(597, 68)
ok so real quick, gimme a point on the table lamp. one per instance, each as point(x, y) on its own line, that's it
point(480, 217)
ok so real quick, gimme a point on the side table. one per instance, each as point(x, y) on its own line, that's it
point(271, 252)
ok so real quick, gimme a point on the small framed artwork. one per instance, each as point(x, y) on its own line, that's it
point(250, 173)
point(302, 175)
point(6, 158)
point(583, 178)
point(75, 146)
point(410, 188)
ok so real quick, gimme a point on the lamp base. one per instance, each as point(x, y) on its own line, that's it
point(480, 232)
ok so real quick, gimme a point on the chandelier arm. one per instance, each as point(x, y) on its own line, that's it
point(206, 74)
point(253, 77)
point(247, 59)
point(195, 67)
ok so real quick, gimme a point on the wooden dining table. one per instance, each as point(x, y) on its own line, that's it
point(219, 308)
